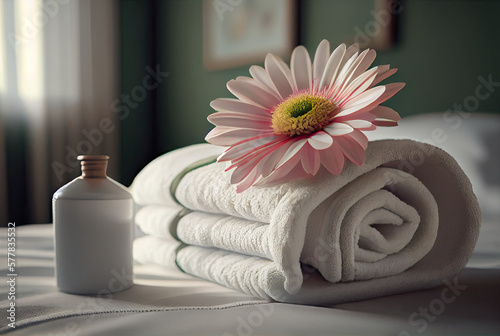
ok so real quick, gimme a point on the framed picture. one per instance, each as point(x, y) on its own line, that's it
point(240, 32)
point(380, 33)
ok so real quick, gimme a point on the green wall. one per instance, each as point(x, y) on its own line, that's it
point(443, 47)
point(186, 97)
point(137, 141)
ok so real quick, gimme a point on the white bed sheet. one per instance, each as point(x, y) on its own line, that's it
point(169, 302)
point(172, 303)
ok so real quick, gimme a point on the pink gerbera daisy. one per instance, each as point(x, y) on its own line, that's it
point(288, 121)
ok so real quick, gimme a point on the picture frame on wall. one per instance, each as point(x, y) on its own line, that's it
point(242, 32)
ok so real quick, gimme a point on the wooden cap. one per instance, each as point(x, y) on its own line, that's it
point(93, 166)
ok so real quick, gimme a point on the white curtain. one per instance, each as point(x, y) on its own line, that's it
point(3, 178)
point(61, 57)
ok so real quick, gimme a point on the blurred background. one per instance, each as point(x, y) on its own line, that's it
point(134, 78)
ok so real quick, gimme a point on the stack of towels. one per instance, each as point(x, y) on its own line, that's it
point(404, 220)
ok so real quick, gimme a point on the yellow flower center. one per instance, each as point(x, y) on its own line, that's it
point(302, 114)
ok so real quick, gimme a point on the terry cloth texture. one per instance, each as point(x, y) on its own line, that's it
point(404, 220)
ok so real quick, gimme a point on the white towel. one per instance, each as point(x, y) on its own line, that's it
point(373, 230)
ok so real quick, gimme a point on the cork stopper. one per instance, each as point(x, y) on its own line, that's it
point(93, 166)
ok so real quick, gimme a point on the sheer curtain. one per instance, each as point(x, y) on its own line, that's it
point(3, 178)
point(58, 63)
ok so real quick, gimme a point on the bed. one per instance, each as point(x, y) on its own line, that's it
point(170, 302)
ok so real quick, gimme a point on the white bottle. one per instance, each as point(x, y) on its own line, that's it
point(93, 226)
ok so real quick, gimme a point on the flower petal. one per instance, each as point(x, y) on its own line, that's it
point(310, 160)
point(332, 158)
point(260, 152)
point(247, 182)
point(353, 49)
point(248, 147)
point(332, 67)
point(301, 68)
point(252, 175)
point(371, 128)
point(360, 137)
point(381, 69)
point(288, 74)
point(385, 123)
point(384, 112)
point(252, 93)
point(339, 81)
point(350, 56)
point(242, 171)
point(228, 136)
point(352, 149)
point(390, 90)
point(278, 75)
point(357, 86)
point(364, 63)
point(262, 76)
point(351, 69)
point(236, 105)
point(248, 168)
point(383, 73)
point(294, 148)
point(356, 116)
point(320, 140)
point(358, 123)
point(242, 120)
point(320, 60)
point(288, 171)
point(239, 150)
point(362, 100)
point(275, 157)
point(337, 129)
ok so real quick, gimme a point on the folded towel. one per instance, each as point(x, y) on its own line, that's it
point(404, 220)
point(153, 250)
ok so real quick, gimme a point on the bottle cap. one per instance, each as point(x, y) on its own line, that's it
point(93, 166)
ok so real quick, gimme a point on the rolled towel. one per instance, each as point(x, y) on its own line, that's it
point(406, 219)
